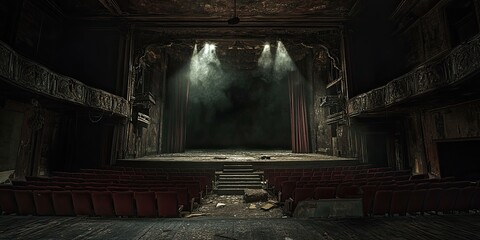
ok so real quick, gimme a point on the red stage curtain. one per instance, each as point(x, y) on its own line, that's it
point(298, 113)
point(176, 114)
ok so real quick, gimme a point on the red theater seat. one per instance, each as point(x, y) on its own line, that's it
point(349, 192)
point(123, 203)
point(287, 190)
point(25, 202)
point(301, 194)
point(405, 187)
point(422, 185)
point(447, 200)
point(167, 204)
point(416, 201)
point(82, 203)
point(324, 193)
point(8, 203)
point(183, 198)
point(278, 182)
point(464, 200)
point(381, 202)
point(399, 202)
point(476, 199)
point(103, 204)
point(43, 202)
point(62, 203)
point(431, 199)
point(145, 203)
point(368, 192)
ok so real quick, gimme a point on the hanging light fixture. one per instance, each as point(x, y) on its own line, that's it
point(235, 19)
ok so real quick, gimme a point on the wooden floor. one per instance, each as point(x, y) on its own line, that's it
point(420, 227)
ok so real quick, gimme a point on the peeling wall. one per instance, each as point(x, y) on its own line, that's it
point(459, 122)
point(415, 143)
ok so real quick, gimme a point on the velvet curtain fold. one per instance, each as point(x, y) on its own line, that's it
point(298, 113)
point(176, 115)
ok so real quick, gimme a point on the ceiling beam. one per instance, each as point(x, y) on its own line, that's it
point(112, 6)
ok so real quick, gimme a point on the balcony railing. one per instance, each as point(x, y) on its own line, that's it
point(461, 62)
point(38, 79)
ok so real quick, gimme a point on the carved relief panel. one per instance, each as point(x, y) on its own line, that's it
point(33, 76)
point(69, 89)
point(463, 60)
point(5, 62)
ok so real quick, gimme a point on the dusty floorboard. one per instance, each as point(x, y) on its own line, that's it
point(420, 227)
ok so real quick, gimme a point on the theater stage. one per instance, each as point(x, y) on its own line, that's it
point(217, 158)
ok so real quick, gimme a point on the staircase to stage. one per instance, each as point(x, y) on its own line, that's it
point(234, 178)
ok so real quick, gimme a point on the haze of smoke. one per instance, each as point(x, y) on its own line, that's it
point(283, 63)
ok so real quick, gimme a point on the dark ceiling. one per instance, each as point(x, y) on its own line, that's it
point(251, 12)
point(206, 9)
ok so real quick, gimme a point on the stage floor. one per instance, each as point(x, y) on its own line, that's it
point(240, 156)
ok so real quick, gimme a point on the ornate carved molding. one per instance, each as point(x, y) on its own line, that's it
point(69, 89)
point(461, 62)
point(5, 63)
point(32, 76)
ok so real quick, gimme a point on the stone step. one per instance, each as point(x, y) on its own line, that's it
point(239, 173)
point(255, 186)
point(238, 182)
point(258, 179)
point(230, 191)
point(238, 170)
point(236, 166)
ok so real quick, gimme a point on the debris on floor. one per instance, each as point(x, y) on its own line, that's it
point(220, 205)
point(235, 206)
point(255, 195)
point(196, 215)
point(267, 206)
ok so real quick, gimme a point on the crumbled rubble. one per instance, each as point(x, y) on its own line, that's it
point(234, 206)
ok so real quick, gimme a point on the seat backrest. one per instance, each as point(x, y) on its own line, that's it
point(399, 202)
point(324, 193)
point(123, 203)
point(464, 199)
point(431, 199)
point(447, 199)
point(167, 204)
point(381, 202)
point(302, 194)
point(8, 203)
point(63, 203)
point(43, 202)
point(103, 203)
point(416, 201)
point(146, 204)
point(82, 202)
point(25, 202)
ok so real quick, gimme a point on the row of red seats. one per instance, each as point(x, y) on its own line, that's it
point(135, 173)
point(154, 170)
point(396, 176)
point(288, 187)
point(194, 186)
point(401, 202)
point(369, 172)
point(90, 203)
point(321, 169)
point(205, 179)
point(187, 194)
